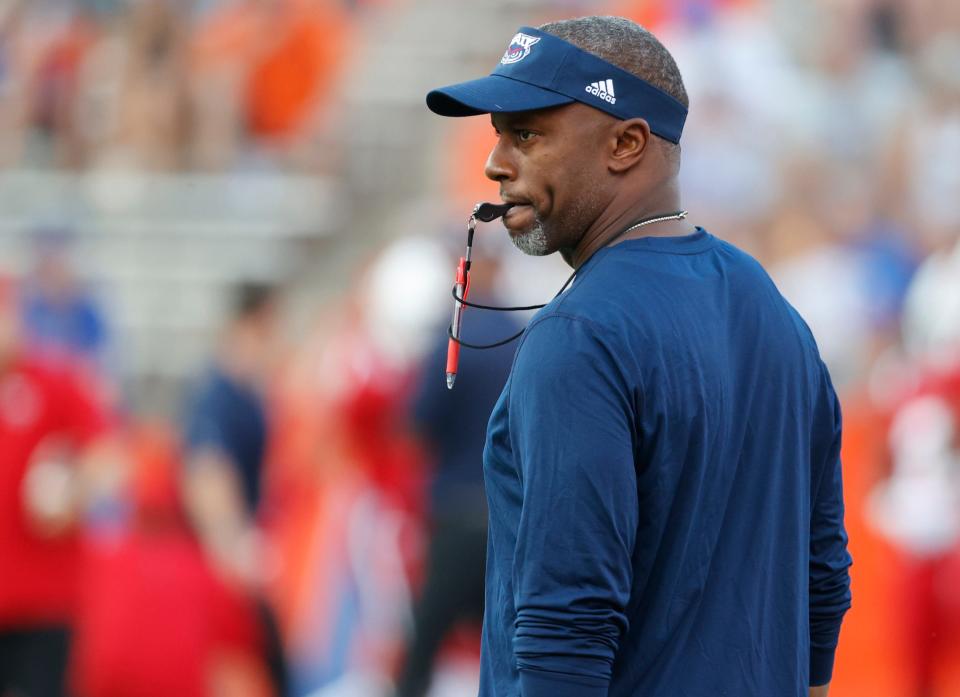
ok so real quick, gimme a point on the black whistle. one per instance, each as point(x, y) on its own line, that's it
point(486, 212)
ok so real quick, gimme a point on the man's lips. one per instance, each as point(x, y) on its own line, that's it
point(514, 200)
point(520, 217)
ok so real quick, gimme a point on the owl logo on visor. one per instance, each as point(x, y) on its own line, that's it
point(519, 48)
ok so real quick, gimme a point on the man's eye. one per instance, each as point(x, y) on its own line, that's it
point(524, 135)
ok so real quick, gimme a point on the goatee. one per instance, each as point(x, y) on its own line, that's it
point(533, 241)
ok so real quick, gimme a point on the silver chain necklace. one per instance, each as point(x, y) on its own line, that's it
point(679, 215)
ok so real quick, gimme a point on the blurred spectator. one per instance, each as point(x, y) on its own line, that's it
point(227, 415)
point(848, 90)
point(925, 147)
point(891, 259)
point(272, 63)
point(12, 82)
point(62, 319)
point(54, 91)
point(918, 509)
point(296, 67)
point(226, 438)
point(133, 105)
point(921, 20)
point(51, 429)
point(804, 253)
point(222, 49)
point(917, 506)
point(453, 427)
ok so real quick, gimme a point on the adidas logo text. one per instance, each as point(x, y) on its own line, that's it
point(603, 90)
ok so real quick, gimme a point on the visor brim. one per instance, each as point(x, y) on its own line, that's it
point(492, 94)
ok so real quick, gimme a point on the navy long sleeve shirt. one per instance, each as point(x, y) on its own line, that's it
point(663, 480)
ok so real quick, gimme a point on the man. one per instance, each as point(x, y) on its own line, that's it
point(662, 468)
point(226, 436)
point(226, 433)
point(54, 446)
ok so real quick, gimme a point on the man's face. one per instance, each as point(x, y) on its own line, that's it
point(550, 163)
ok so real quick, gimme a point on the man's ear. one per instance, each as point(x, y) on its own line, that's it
point(631, 140)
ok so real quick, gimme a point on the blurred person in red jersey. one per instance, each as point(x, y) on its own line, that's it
point(189, 562)
point(918, 509)
point(346, 482)
point(154, 619)
point(226, 434)
point(53, 432)
point(917, 506)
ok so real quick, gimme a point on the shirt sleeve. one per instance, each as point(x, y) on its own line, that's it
point(829, 560)
point(203, 427)
point(573, 433)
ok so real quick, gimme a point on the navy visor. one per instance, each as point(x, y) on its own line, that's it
point(539, 70)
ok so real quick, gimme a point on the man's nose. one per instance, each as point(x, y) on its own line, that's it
point(499, 166)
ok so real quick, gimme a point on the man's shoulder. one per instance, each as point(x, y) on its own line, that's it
point(562, 342)
point(627, 301)
point(553, 325)
point(559, 330)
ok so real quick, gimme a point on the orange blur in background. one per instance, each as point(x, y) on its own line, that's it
point(159, 157)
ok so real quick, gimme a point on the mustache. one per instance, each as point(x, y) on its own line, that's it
point(514, 200)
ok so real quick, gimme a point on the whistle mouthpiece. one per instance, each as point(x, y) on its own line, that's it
point(486, 212)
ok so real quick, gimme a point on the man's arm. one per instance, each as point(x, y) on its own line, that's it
point(212, 491)
point(820, 691)
point(214, 504)
point(829, 560)
point(572, 431)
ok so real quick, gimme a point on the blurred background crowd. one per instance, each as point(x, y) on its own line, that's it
point(229, 464)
